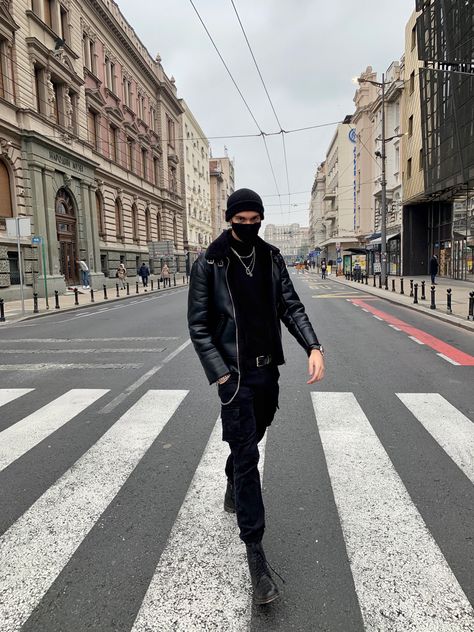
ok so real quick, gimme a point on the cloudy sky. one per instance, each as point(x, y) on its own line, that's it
point(307, 51)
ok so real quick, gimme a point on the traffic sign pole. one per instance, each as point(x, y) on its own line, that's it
point(39, 241)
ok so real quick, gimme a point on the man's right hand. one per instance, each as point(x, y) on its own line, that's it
point(223, 379)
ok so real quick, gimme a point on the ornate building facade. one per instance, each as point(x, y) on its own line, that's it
point(90, 136)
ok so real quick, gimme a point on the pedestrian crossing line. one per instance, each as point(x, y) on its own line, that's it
point(441, 355)
point(70, 341)
point(57, 366)
point(21, 437)
point(40, 543)
point(402, 580)
point(201, 581)
point(449, 427)
point(8, 395)
point(82, 351)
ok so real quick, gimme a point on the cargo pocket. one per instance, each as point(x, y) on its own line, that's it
point(230, 424)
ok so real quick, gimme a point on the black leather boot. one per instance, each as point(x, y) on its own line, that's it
point(229, 498)
point(264, 588)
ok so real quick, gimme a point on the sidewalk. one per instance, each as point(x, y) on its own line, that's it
point(13, 313)
point(459, 296)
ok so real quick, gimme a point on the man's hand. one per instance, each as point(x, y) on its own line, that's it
point(315, 366)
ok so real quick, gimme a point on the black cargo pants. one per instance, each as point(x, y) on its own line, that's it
point(244, 421)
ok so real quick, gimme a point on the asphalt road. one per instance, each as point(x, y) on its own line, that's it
point(111, 481)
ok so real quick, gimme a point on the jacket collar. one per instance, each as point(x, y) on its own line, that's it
point(220, 247)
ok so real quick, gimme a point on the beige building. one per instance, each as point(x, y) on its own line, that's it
point(198, 217)
point(221, 171)
point(291, 239)
point(316, 208)
point(89, 129)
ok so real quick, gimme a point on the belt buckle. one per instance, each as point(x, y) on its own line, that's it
point(262, 359)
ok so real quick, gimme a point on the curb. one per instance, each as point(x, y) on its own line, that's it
point(446, 318)
point(75, 308)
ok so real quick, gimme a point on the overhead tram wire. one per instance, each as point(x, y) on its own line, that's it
point(268, 96)
point(262, 134)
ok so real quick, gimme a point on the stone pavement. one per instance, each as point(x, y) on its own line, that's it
point(12, 309)
point(459, 296)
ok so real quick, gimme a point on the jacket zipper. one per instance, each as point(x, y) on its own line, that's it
point(236, 335)
point(272, 262)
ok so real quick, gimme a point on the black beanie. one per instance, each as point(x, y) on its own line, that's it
point(243, 200)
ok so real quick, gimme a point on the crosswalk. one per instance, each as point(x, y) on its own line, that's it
point(401, 578)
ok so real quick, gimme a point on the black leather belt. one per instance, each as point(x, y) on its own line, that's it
point(263, 360)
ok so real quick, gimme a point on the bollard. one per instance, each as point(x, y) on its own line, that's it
point(76, 296)
point(174, 280)
point(380, 281)
point(184, 280)
point(117, 291)
point(386, 282)
point(401, 286)
point(35, 303)
point(158, 283)
point(375, 279)
point(136, 288)
point(92, 296)
point(2, 311)
point(393, 285)
point(411, 288)
point(56, 299)
point(128, 289)
point(367, 279)
point(448, 301)
point(151, 285)
point(105, 292)
point(423, 295)
point(470, 316)
point(433, 297)
point(415, 294)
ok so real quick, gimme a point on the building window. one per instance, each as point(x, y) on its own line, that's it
point(173, 185)
point(127, 92)
point(421, 160)
point(175, 232)
point(147, 225)
point(93, 129)
point(118, 219)
point(6, 206)
point(153, 119)
point(99, 205)
point(171, 132)
point(113, 143)
point(130, 152)
point(409, 168)
point(158, 227)
point(412, 82)
point(410, 126)
point(64, 24)
point(88, 50)
point(110, 74)
point(144, 163)
point(57, 101)
point(48, 11)
point(135, 223)
point(413, 37)
point(156, 171)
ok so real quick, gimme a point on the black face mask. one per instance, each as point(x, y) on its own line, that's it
point(247, 233)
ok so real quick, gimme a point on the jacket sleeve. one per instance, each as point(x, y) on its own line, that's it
point(292, 312)
point(198, 322)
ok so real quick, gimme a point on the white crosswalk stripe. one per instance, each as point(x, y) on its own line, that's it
point(36, 548)
point(202, 580)
point(17, 439)
point(449, 427)
point(402, 580)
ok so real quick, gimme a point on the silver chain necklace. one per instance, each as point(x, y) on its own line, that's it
point(248, 268)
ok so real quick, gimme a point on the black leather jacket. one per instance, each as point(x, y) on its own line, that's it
point(212, 317)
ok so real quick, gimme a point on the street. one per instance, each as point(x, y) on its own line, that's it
point(112, 480)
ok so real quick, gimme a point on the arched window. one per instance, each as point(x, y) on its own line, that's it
point(135, 223)
point(118, 218)
point(147, 225)
point(99, 205)
point(175, 232)
point(159, 231)
point(6, 206)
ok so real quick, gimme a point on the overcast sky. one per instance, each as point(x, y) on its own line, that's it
point(308, 51)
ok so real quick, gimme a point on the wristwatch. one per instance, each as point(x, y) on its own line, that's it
point(319, 348)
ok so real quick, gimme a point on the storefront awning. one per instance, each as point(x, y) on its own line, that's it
point(378, 240)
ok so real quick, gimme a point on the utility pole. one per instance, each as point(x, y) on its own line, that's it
point(383, 209)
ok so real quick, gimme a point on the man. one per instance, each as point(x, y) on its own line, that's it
point(323, 269)
point(239, 291)
point(434, 269)
point(84, 268)
point(144, 273)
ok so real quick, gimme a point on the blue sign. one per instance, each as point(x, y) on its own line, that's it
point(353, 135)
point(36, 240)
point(339, 259)
point(317, 251)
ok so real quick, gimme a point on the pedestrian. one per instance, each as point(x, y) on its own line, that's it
point(165, 275)
point(239, 292)
point(121, 275)
point(84, 268)
point(434, 267)
point(144, 273)
point(323, 269)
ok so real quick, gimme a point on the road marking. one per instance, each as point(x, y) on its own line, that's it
point(416, 340)
point(133, 387)
point(17, 439)
point(53, 366)
point(401, 578)
point(459, 357)
point(392, 326)
point(441, 355)
point(377, 317)
point(10, 394)
point(125, 339)
point(41, 542)
point(335, 295)
point(447, 425)
point(201, 581)
point(80, 351)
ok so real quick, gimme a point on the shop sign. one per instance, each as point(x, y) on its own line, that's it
point(64, 161)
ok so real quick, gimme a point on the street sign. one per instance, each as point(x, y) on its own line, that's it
point(339, 260)
point(317, 251)
point(36, 240)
